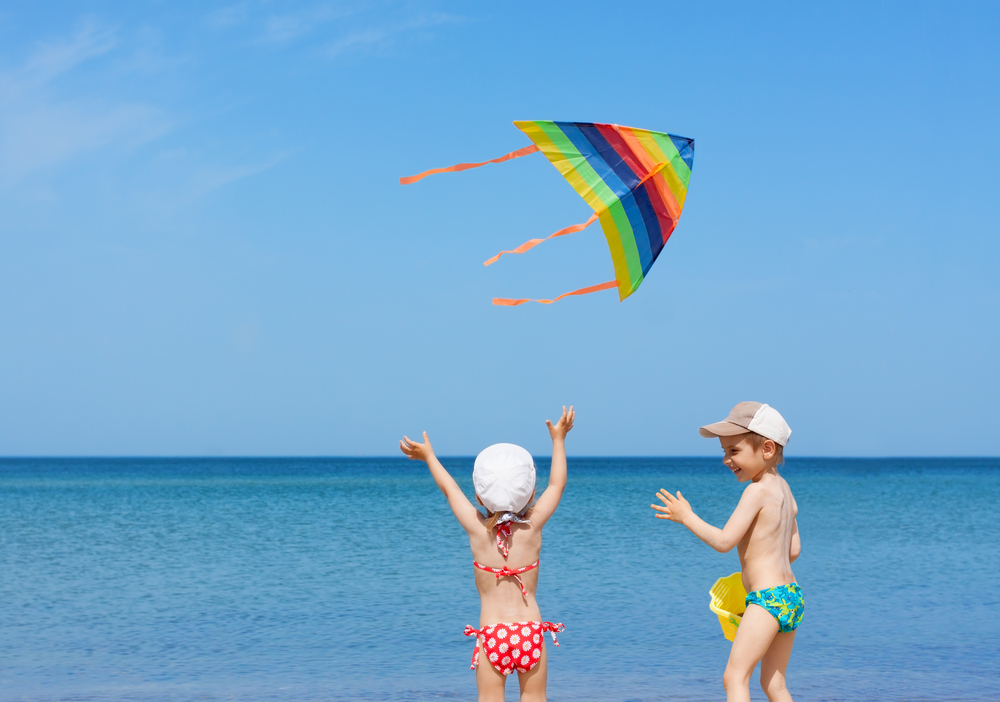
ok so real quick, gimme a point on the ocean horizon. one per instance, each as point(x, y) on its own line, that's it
point(304, 578)
point(393, 457)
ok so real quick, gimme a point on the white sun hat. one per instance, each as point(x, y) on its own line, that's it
point(751, 416)
point(504, 477)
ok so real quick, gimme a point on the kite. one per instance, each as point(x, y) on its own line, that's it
point(635, 180)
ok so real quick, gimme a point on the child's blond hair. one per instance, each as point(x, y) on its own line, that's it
point(493, 517)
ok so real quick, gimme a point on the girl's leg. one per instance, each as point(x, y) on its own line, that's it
point(489, 680)
point(773, 666)
point(757, 630)
point(533, 682)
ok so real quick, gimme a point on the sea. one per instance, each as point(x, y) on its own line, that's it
point(349, 579)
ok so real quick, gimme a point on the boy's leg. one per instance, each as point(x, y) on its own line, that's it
point(773, 666)
point(757, 630)
point(533, 682)
point(489, 680)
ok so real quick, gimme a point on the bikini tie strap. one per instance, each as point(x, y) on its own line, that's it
point(552, 629)
point(506, 572)
point(503, 525)
point(478, 633)
point(503, 539)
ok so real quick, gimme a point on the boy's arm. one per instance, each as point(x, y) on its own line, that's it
point(795, 548)
point(677, 509)
point(468, 516)
point(547, 503)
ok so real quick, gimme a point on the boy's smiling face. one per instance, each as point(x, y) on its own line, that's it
point(740, 456)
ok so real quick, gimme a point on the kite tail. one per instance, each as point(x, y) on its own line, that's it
point(582, 291)
point(466, 166)
point(532, 243)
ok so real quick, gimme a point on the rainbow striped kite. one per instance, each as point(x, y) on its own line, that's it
point(635, 180)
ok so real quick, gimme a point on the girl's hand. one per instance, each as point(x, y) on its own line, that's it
point(416, 451)
point(560, 429)
point(676, 509)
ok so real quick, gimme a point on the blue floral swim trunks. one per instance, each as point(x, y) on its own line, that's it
point(784, 603)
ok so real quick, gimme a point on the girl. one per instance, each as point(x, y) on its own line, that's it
point(510, 625)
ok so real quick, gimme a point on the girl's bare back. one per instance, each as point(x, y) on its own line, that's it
point(501, 598)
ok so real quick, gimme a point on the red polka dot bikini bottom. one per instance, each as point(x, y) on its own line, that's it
point(512, 646)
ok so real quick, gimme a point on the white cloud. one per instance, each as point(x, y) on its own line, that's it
point(385, 35)
point(55, 58)
point(279, 29)
point(275, 28)
point(284, 28)
point(209, 178)
point(356, 40)
point(37, 135)
point(38, 129)
point(229, 16)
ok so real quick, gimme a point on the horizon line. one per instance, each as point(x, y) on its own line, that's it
point(14, 457)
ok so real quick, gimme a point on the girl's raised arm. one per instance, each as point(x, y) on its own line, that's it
point(467, 515)
point(549, 500)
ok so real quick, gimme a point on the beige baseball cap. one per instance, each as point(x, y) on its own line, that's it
point(751, 416)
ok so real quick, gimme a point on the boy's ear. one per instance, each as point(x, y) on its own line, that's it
point(769, 449)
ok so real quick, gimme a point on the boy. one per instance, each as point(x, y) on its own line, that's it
point(766, 534)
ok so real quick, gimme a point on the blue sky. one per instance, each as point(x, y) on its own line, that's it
point(204, 248)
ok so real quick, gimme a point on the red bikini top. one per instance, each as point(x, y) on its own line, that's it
point(503, 544)
point(506, 572)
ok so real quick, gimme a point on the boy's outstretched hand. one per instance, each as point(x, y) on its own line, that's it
point(560, 429)
point(417, 451)
point(676, 509)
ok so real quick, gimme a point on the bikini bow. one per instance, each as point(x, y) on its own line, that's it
point(506, 572)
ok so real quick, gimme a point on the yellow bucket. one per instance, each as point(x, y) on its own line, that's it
point(729, 602)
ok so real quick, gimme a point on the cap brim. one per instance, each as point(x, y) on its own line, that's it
point(712, 431)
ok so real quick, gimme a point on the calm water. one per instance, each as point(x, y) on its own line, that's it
point(252, 579)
